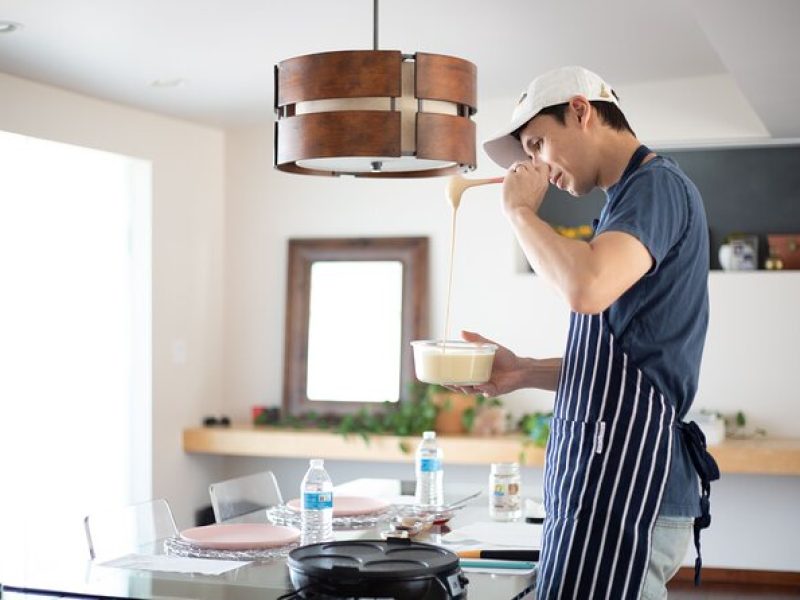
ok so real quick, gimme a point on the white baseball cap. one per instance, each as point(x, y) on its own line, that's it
point(554, 87)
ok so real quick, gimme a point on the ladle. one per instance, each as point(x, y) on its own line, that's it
point(459, 183)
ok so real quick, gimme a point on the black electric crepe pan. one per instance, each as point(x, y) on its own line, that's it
point(393, 568)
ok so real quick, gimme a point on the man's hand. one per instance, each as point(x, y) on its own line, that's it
point(511, 372)
point(507, 370)
point(524, 186)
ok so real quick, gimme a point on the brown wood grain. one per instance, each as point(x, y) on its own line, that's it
point(446, 137)
point(739, 576)
point(446, 78)
point(758, 456)
point(339, 133)
point(282, 442)
point(341, 74)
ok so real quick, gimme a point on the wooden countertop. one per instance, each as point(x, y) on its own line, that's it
point(756, 456)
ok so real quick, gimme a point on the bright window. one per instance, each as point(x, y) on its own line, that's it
point(75, 400)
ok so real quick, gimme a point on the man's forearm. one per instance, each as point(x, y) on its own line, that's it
point(542, 373)
point(564, 262)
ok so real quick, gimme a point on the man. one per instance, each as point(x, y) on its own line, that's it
point(621, 469)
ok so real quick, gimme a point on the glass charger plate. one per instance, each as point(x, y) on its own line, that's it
point(177, 547)
point(283, 515)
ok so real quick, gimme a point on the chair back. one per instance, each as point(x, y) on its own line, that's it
point(134, 529)
point(245, 498)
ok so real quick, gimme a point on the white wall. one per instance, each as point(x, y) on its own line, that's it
point(493, 296)
point(693, 109)
point(188, 229)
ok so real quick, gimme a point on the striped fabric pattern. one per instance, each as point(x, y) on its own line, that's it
point(606, 467)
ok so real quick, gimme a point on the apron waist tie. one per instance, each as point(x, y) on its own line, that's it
point(708, 471)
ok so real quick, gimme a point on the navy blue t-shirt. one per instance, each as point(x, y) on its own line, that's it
point(661, 320)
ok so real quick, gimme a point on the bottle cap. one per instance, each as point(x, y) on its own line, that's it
point(428, 435)
point(316, 463)
point(505, 468)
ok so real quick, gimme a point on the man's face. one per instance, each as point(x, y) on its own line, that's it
point(563, 148)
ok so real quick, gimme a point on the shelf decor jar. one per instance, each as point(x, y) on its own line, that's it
point(784, 248)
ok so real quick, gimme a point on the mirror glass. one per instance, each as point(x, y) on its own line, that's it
point(355, 331)
point(353, 306)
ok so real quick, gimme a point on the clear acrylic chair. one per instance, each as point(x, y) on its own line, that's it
point(133, 529)
point(245, 499)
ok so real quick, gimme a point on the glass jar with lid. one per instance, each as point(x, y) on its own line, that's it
point(505, 500)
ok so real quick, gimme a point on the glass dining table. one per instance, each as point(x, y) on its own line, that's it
point(71, 576)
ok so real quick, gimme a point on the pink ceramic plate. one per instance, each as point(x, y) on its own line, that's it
point(349, 506)
point(240, 536)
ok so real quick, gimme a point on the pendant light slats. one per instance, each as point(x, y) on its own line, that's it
point(445, 137)
point(342, 74)
point(447, 78)
point(330, 134)
point(355, 112)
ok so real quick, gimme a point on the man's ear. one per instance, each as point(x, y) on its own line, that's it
point(582, 109)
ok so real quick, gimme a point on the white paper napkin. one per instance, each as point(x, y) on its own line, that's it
point(174, 564)
point(517, 535)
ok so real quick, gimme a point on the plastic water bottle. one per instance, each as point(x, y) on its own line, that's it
point(430, 491)
point(316, 493)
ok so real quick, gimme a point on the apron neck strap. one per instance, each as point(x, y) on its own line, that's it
point(636, 161)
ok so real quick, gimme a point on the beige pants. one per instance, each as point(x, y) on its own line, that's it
point(671, 539)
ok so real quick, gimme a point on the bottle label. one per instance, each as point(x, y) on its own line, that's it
point(427, 465)
point(505, 496)
point(317, 500)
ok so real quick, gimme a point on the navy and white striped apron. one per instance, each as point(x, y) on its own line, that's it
point(606, 467)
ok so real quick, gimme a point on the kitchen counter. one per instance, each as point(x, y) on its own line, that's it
point(754, 457)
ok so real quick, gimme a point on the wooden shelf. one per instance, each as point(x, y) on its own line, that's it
point(757, 457)
point(299, 443)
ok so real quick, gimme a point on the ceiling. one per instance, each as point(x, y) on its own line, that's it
point(224, 50)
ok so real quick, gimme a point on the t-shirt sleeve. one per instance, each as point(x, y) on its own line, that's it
point(654, 209)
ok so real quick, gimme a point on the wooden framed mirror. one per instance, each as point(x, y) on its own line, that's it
point(353, 305)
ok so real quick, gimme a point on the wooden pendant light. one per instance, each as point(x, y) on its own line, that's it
point(375, 113)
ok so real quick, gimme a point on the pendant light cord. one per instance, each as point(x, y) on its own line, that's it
point(374, 24)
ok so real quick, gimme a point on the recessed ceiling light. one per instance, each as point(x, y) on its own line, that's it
point(168, 83)
point(9, 26)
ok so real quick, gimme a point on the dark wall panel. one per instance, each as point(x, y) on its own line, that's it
point(745, 190)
